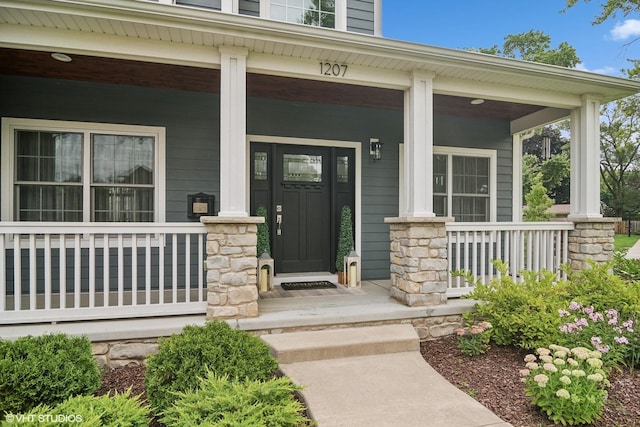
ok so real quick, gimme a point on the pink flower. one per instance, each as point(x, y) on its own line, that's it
point(575, 306)
point(582, 322)
point(588, 310)
point(628, 324)
point(611, 313)
point(596, 316)
point(621, 340)
point(563, 313)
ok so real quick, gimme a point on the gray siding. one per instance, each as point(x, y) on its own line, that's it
point(249, 7)
point(360, 16)
point(191, 120)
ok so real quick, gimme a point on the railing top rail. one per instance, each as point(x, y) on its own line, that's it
point(100, 227)
point(509, 226)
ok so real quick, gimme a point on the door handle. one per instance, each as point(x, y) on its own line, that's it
point(279, 222)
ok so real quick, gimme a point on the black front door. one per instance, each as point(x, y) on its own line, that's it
point(302, 188)
point(302, 209)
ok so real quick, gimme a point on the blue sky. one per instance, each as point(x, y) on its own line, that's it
point(461, 24)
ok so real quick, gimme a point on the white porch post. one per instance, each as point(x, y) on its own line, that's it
point(585, 160)
point(418, 146)
point(233, 131)
point(516, 208)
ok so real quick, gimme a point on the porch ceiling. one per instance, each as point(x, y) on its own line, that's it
point(120, 71)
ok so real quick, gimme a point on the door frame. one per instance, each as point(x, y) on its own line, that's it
point(356, 145)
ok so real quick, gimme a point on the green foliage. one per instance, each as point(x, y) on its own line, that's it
point(569, 385)
point(263, 233)
point(89, 411)
point(474, 339)
point(222, 402)
point(522, 314)
point(184, 357)
point(611, 7)
point(538, 203)
point(45, 370)
point(345, 238)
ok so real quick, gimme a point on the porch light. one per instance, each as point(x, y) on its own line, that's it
point(375, 147)
point(352, 269)
point(477, 101)
point(265, 273)
point(62, 57)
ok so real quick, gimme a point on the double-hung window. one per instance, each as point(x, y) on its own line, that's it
point(81, 172)
point(319, 13)
point(464, 184)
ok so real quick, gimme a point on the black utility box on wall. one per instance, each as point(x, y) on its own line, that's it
point(200, 204)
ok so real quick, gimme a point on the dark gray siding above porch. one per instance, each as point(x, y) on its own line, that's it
point(484, 134)
point(191, 120)
point(249, 7)
point(361, 16)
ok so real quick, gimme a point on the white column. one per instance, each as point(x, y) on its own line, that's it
point(230, 6)
point(341, 15)
point(516, 208)
point(233, 131)
point(585, 159)
point(418, 146)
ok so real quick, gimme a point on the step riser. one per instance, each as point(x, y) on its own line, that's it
point(340, 343)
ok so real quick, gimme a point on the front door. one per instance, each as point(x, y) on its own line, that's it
point(301, 186)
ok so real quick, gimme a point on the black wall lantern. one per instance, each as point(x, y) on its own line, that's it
point(375, 147)
point(200, 204)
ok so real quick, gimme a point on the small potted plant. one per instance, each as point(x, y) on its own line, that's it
point(345, 242)
point(265, 262)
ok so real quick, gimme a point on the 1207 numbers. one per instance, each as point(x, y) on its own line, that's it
point(333, 69)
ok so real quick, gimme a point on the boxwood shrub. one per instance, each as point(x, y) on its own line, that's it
point(183, 358)
point(46, 370)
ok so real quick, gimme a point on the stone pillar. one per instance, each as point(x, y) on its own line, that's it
point(232, 290)
point(419, 265)
point(591, 239)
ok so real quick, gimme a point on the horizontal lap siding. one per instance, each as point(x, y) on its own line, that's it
point(191, 120)
point(249, 7)
point(360, 16)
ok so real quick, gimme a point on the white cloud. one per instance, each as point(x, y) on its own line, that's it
point(624, 30)
point(610, 71)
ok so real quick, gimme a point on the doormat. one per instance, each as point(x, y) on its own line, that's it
point(301, 286)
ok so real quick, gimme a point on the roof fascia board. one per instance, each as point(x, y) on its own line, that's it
point(111, 46)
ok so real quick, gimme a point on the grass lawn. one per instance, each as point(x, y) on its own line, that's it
point(623, 242)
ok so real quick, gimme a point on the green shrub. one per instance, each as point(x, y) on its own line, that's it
point(89, 411)
point(45, 370)
point(184, 357)
point(569, 385)
point(222, 402)
point(522, 314)
point(473, 340)
point(625, 268)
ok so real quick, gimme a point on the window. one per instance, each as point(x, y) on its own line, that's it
point(464, 184)
point(72, 172)
point(319, 13)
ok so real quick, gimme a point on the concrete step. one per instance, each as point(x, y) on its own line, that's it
point(294, 347)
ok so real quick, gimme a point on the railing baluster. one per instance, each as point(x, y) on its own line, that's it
point(47, 271)
point(17, 272)
point(33, 272)
point(105, 270)
point(92, 270)
point(120, 270)
point(134, 269)
point(77, 271)
point(187, 267)
point(62, 264)
point(147, 269)
point(449, 261)
point(174, 268)
point(161, 261)
point(483, 254)
point(201, 282)
point(4, 280)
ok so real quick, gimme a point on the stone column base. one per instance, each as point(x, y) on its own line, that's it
point(232, 290)
point(419, 265)
point(592, 239)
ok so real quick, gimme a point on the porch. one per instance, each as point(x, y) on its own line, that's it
point(141, 272)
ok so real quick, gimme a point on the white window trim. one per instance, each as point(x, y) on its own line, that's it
point(340, 11)
point(7, 161)
point(492, 155)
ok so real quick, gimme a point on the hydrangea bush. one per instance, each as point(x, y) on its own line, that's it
point(569, 385)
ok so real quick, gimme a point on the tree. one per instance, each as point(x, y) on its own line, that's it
point(620, 154)
point(610, 8)
point(538, 203)
point(535, 46)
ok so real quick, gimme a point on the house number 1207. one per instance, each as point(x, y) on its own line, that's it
point(333, 69)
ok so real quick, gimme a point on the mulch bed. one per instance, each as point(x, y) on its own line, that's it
point(493, 380)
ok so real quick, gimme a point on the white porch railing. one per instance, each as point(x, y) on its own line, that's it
point(532, 246)
point(77, 271)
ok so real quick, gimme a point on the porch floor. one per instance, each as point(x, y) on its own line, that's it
point(276, 314)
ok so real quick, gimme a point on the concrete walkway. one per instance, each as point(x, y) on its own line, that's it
point(634, 251)
point(373, 376)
